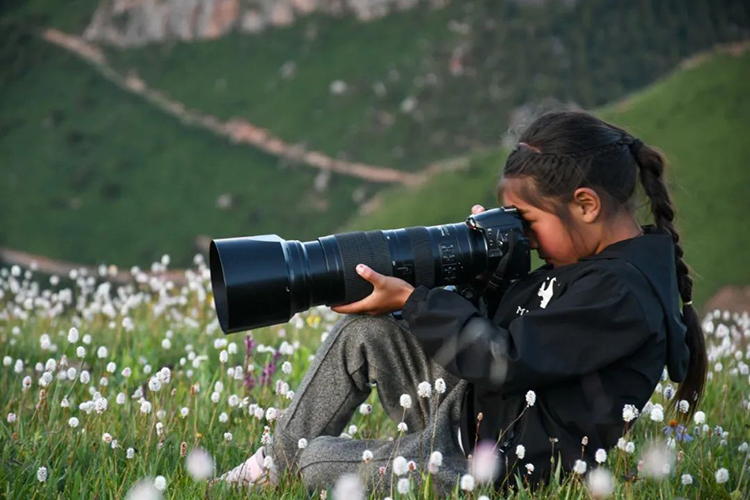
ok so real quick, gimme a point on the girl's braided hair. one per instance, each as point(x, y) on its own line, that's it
point(562, 151)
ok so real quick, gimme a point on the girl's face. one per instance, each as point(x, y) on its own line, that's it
point(547, 233)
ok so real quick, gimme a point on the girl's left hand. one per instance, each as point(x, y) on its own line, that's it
point(389, 295)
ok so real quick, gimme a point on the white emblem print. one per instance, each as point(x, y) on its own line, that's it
point(546, 293)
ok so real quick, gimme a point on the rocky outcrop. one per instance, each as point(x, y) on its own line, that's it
point(130, 23)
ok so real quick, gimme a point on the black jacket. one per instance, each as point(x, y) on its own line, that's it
point(588, 338)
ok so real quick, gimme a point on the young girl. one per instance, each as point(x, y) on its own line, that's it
point(588, 333)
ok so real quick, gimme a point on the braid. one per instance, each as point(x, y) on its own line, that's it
point(651, 165)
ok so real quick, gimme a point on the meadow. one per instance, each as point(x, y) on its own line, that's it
point(134, 391)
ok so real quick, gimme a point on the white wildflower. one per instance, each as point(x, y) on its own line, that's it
point(349, 487)
point(530, 398)
point(286, 367)
point(657, 414)
point(367, 456)
point(365, 409)
point(683, 406)
point(600, 456)
point(145, 407)
point(436, 459)
point(520, 451)
point(400, 466)
point(722, 476)
point(699, 418)
point(440, 386)
point(405, 401)
point(404, 485)
point(424, 390)
point(467, 482)
point(200, 465)
point(629, 413)
point(143, 490)
point(600, 483)
point(73, 335)
point(271, 414)
point(686, 479)
point(579, 467)
point(160, 483)
point(402, 427)
point(302, 443)
point(41, 474)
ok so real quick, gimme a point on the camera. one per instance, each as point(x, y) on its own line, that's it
point(264, 280)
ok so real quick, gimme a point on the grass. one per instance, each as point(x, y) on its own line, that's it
point(696, 116)
point(145, 331)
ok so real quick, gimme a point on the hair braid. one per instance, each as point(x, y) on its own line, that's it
point(652, 164)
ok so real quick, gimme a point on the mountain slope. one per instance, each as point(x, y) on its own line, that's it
point(91, 173)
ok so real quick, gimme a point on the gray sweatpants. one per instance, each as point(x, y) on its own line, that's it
point(359, 351)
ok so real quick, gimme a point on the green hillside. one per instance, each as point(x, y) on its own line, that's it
point(90, 173)
point(699, 117)
point(463, 69)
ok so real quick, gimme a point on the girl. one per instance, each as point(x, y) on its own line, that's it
point(588, 332)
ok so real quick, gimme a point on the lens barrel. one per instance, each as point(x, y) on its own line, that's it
point(264, 280)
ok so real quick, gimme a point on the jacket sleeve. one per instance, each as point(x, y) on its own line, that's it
point(595, 322)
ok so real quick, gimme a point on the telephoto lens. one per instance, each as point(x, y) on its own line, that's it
point(264, 280)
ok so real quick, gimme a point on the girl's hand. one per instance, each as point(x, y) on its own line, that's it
point(390, 294)
point(477, 209)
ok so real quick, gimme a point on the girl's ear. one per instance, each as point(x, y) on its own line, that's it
point(586, 205)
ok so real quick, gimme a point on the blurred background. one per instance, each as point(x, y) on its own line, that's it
point(130, 129)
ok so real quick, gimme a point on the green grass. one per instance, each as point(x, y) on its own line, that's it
point(81, 465)
point(92, 173)
point(698, 117)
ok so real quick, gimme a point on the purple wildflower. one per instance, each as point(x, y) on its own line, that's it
point(249, 381)
point(267, 373)
point(678, 431)
point(249, 345)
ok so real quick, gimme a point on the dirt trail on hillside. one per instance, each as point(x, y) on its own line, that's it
point(236, 130)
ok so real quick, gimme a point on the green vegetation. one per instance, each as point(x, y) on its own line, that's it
point(467, 67)
point(698, 117)
point(91, 173)
point(57, 418)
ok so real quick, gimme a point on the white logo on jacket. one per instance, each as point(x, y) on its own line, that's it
point(546, 292)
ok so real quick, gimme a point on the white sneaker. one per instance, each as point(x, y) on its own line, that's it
point(255, 470)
